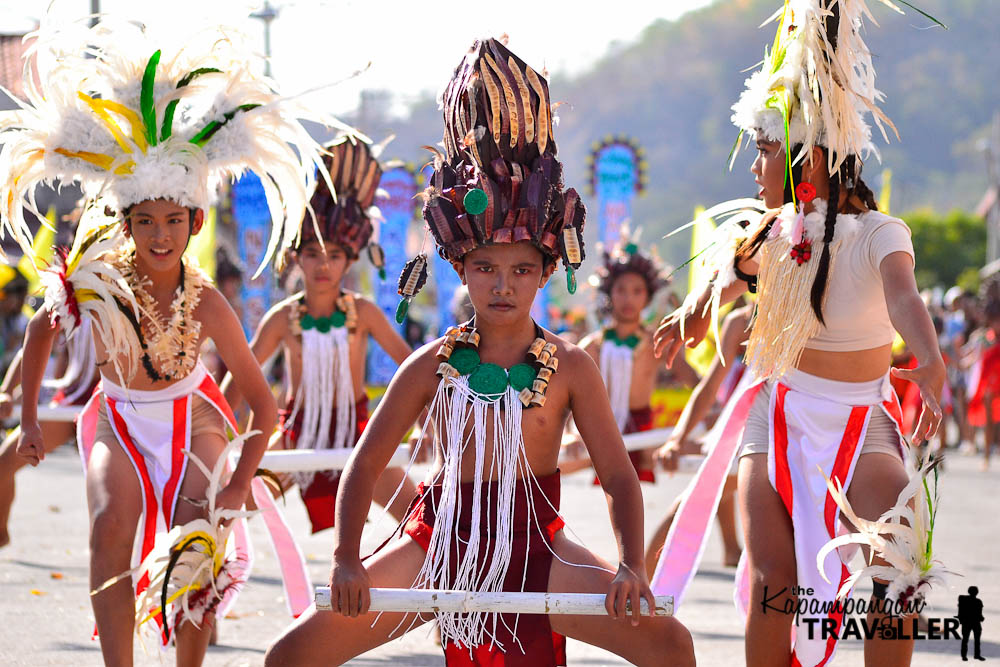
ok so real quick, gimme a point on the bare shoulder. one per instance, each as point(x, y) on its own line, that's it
point(422, 365)
point(366, 308)
point(574, 361)
point(211, 305)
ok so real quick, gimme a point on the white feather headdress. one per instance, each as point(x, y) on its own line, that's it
point(131, 116)
point(812, 89)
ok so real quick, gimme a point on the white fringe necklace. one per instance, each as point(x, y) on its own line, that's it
point(616, 368)
point(326, 384)
point(784, 320)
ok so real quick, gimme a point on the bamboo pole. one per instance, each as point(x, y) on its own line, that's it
point(463, 602)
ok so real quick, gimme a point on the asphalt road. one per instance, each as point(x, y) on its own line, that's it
point(45, 616)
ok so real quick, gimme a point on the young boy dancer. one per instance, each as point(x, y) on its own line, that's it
point(628, 279)
point(148, 136)
point(324, 331)
point(499, 389)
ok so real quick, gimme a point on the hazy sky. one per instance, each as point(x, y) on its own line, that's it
point(412, 46)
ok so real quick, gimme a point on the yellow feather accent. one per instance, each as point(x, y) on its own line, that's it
point(101, 108)
point(101, 160)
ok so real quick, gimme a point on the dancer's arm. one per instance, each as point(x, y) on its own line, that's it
point(11, 380)
point(38, 340)
point(408, 393)
point(910, 318)
point(702, 399)
point(224, 328)
point(384, 333)
point(667, 340)
point(270, 332)
point(596, 423)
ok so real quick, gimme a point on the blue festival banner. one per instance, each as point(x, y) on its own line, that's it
point(398, 210)
point(253, 226)
point(617, 175)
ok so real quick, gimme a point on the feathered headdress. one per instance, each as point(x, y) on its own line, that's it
point(626, 257)
point(346, 214)
point(498, 180)
point(132, 117)
point(817, 83)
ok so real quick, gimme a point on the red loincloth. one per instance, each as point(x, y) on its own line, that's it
point(537, 645)
point(639, 420)
point(320, 496)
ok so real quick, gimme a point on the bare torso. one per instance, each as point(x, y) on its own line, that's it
point(644, 366)
point(853, 366)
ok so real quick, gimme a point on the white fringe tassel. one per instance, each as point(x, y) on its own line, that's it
point(326, 384)
point(616, 367)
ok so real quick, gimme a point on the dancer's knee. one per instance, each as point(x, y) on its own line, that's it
point(110, 533)
point(674, 643)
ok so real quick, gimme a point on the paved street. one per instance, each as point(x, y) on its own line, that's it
point(45, 616)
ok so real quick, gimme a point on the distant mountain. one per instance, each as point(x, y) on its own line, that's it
point(673, 87)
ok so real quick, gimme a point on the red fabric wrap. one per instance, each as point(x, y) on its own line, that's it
point(639, 420)
point(320, 497)
point(530, 557)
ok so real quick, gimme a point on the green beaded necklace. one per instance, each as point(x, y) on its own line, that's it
point(632, 341)
point(491, 380)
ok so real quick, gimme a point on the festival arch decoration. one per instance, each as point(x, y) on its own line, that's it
point(618, 172)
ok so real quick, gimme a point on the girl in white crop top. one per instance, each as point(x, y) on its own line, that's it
point(836, 280)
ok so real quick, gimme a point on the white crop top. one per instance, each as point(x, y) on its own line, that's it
point(854, 310)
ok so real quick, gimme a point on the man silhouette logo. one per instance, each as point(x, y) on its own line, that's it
point(970, 615)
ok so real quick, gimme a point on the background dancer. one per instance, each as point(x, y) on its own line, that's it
point(487, 518)
point(628, 280)
point(323, 332)
point(74, 387)
point(834, 279)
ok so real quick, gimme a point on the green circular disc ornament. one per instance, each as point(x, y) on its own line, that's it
point(631, 249)
point(323, 325)
point(475, 201)
point(489, 381)
point(338, 319)
point(632, 341)
point(464, 360)
point(307, 321)
point(520, 376)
